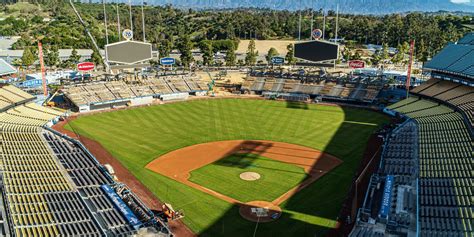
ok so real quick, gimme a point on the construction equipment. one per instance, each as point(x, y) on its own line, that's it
point(170, 213)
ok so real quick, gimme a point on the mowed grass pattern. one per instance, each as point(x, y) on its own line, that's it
point(138, 136)
point(223, 176)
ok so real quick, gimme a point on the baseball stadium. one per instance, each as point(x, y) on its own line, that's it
point(317, 147)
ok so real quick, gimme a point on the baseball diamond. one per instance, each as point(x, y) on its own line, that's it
point(185, 153)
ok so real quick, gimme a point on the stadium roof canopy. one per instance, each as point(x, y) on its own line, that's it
point(6, 68)
point(455, 59)
point(467, 39)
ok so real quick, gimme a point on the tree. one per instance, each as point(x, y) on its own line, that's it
point(272, 52)
point(52, 56)
point(74, 57)
point(185, 46)
point(207, 52)
point(28, 58)
point(376, 58)
point(402, 50)
point(290, 56)
point(384, 53)
point(251, 57)
point(96, 57)
point(164, 47)
point(230, 56)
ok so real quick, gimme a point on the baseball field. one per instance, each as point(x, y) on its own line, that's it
point(195, 155)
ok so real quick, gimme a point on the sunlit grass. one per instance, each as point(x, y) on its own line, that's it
point(138, 136)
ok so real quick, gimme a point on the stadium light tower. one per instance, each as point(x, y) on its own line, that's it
point(119, 32)
point(105, 23)
point(130, 12)
point(299, 23)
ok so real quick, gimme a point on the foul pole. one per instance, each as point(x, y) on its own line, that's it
point(410, 62)
point(43, 76)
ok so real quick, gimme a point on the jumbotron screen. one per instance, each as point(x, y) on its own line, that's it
point(316, 51)
point(128, 52)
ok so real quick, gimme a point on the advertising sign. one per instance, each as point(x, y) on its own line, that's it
point(356, 64)
point(167, 61)
point(278, 60)
point(317, 34)
point(387, 197)
point(120, 204)
point(85, 66)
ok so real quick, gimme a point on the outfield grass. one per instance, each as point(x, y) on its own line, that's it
point(138, 136)
point(223, 176)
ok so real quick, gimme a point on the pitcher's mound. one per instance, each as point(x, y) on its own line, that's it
point(260, 211)
point(250, 176)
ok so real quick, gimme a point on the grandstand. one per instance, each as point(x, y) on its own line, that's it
point(326, 89)
point(11, 96)
point(52, 186)
point(109, 94)
point(431, 153)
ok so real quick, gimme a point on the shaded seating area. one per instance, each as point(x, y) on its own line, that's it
point(326, 89)
point(455, 94)
point(445, 166)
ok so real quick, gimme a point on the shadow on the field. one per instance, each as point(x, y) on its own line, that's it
point(242, 157)
point(296, 105)
point(319, 208)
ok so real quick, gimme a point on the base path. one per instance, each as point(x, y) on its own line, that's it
point(178, 164)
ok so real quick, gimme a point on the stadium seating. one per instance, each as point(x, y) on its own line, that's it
point(110, 91)
point(88, 177)
point(332, 90)
point(10, 96)
point(425, 85)
point(456, 94)
point(372, 92)
point(400, 156)
point(445, 166)
point(51, 185)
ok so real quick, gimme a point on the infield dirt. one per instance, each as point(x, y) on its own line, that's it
point(178, 164)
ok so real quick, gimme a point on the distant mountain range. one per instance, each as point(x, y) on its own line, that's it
point(346, 6)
